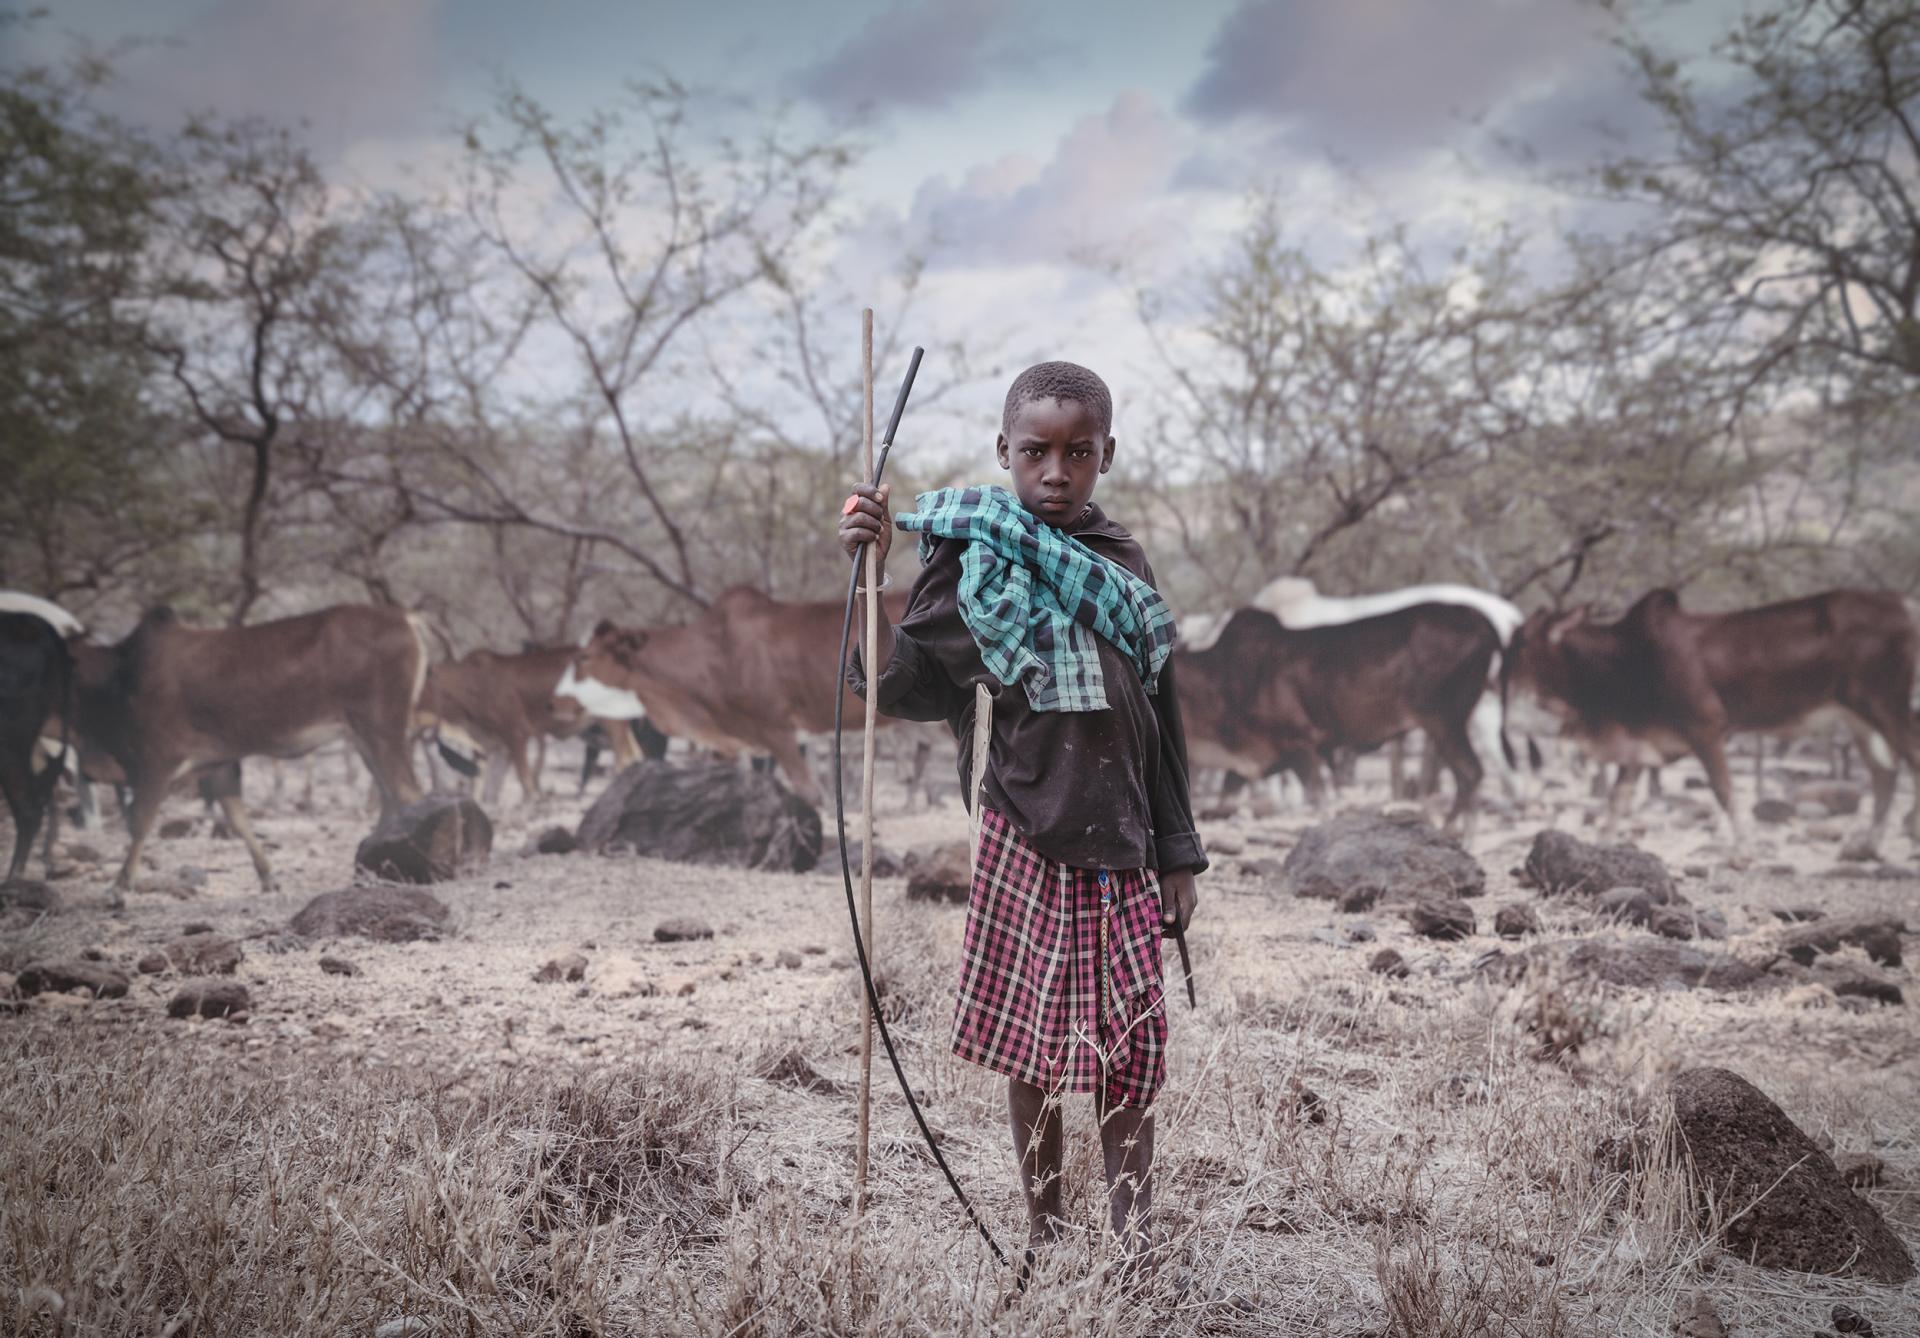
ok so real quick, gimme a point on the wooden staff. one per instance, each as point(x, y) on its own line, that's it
point(870, 642)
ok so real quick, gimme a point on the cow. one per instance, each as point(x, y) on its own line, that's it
point(750, 674)
point(505, 703)
point(173, 701)
point(36, 683)
point(1296, 602)
point(1662, 683)
point(1263, 696)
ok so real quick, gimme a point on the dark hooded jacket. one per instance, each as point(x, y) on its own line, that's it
point(1092, 789)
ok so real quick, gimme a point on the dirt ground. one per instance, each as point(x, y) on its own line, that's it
point(1450, 1175)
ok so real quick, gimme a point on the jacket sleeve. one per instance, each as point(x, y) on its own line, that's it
point(1176, 843)
point(916, 683)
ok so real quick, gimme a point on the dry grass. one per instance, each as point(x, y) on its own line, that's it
point(493, 1157)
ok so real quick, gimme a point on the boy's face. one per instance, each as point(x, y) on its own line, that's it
point(1057, 451)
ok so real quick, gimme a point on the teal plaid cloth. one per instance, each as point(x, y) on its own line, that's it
point(1034, 597)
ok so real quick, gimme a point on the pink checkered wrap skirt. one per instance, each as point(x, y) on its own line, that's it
point(1061, 984)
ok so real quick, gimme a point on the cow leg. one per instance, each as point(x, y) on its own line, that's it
point(1712, 752)
point(587, 767)
point(1456, 750)
point(539, 765)
point(793, 762)
point(147, 794)
point(917, 782)
point(236, 814)
point(385, 753)
point(626, 750)
point(526, 773)
point(16, 782)
point(1396, 768)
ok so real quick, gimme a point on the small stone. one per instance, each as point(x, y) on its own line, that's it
point(1862, 1170)
point(1441, 918)
point(788, 959)
point(681, 929)
point(555, 841)
point(1312, 1107)
point(1388, 963)
point(1359, 931)
point(192, 927)
point(28, 894)
point(412, 1326)
point(1859, 849)
point(338, 966)
point(1516, 920)
point(59, 977)
point(204, 955)
point(570, 968)
point(192, 875)
point(173, 829)
point(940, 873)
point(1325, 935)
point(153, 964)
point(1695, 1317)
point(686, 989)
point(1773, 812)
point(225, 998)
point(1876, 934)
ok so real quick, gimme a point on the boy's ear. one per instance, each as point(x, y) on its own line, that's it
point(1000, 451)
point(1106, 456)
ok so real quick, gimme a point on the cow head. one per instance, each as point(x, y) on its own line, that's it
point(1537, 659)
point(605, 675)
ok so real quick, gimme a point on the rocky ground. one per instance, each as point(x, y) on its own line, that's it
point(1368, 1129)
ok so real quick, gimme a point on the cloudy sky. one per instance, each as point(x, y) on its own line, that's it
point(1010, 143)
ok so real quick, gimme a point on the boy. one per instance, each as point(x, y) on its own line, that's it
point(1087, 848)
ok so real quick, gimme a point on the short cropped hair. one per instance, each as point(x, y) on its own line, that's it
point(1059, 381)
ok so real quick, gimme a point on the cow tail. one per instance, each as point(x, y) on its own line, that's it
point(418, 626)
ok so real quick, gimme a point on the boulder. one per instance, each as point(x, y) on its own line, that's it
point(940, 873)
point(1778, 1199)
point(681, 929)
point(1441, 917)
point(57, 977)
point(1516, 920)
point(1641, 963)
point(569, 968)
point(1359, 859)
point(28, 894)
point(555, 841)
point(383, 914)
point(1388, 963)
point(439, 838)
point(204, 955)
point(338, 966)
point(703, 813)
point(1877, 935)
point(1855, 982)
point(210, 998)
point(1563, 865)
point(1774, 812)
point(1839, 798)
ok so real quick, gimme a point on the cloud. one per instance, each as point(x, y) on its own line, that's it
point(1381, 79)
point(1105, 186)
point(348, 69)
point(912, 55)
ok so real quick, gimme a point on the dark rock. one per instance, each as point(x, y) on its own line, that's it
point(101, 981)
point(1796, 915)
point(704, 813)
point(1687, 922)
point(1773, 812)
point(681, 929)
point(1388, 963)
point(210, 998)
point(1516, 921)
point(572, 967)
point(1642, 963)
point(439, 838)
point(1312, 1107)
point(1359, 859)
point(1695, 1317)
point(1859, 849)
point(1852, 982)
point(1848, 1320)
point(1839, 798)
point(1861, 1170)
point(28, 894)
point(1441, 917)
point(1563, 865)
point(195, 927)
point(154, 964)
point(204, 955)
point(1628, 905)
point(338, 966)
point(192, 875)
point(1878, 935)
point(790, 1068)
point(886, 863)
point(383, 914)
point(940, 873)
point(1782, 1201)
point(555, 841)
point(82, 853)
point(173, 829)
point(787, 959)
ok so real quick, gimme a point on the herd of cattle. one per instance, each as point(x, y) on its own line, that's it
point(1278, 687)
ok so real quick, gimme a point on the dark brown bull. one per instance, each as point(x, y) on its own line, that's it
point(173, 701)
point(507, 703)
point(1264, 696)
point(751, 674)
point(1661, 683)
point(36, 675)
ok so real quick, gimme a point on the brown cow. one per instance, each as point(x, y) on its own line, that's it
point(1660, 683)
point(506, 702)
point(749, 674)
point(1263, 696)
point(173, 701)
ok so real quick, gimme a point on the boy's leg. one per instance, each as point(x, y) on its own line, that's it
point(1126, 1149)
point(1036, 1141)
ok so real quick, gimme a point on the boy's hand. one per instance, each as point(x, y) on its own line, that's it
point(864, 519)
point(1178, 898)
